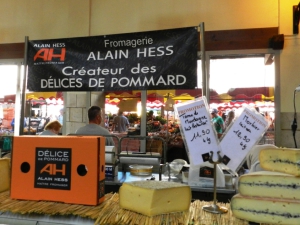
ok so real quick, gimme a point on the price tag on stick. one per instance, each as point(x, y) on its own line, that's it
point(244, 133)
point(197, 128)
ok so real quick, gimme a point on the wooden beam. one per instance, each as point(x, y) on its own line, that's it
point(12, 51)
point(256, 38)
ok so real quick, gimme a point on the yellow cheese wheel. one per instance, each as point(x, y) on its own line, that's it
point(4, 174)
point(155, 197)
point(285, 160)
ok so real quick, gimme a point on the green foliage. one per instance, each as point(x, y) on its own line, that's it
point(132, 117)
point(161, 120)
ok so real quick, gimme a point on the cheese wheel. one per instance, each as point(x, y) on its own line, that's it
point(4, 174)
point(270, 184)
point(263, 210)
point(285, 160)
point(155, 197)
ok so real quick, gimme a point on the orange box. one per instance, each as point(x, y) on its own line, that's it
point(68, 169)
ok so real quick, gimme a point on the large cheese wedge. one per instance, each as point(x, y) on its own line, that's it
point(155, 197)
point(270, 184)
point(285, 160)
point(262, 210)
point(4, 174)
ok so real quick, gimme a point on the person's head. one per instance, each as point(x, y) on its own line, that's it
point(214, 112)
point(231, 114)
point(94, 114)
point(53, 126)
point(120, 113)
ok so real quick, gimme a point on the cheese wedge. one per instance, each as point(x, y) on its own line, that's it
point(4, 174)
point(285, 160)
point(155, 197)
point(270, 184)
point(262, 210)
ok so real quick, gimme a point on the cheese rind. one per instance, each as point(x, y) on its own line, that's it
point(270, 184)
point(4, 174)
point(263, 210)
point(155, 197)
point(285, 160)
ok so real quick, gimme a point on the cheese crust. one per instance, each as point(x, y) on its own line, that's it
point(263, 210)
point(270, 184)
point(4, 174)
point(285, 160)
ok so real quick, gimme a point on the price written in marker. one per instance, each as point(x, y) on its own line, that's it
point(244, 133)
point(197, 128)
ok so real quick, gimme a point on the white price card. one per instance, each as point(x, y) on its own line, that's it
point(244, 133)
point(197, 128)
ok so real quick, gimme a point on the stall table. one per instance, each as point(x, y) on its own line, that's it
point(201, 193)
point(107, 213)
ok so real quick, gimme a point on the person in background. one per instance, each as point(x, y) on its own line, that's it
point(106, 121)
point(47, 120)
point(12, 124)
point(218, 122)
point(150, 116)
point(229, 118)
point(94, 128)
point(60, 119)
point(52, 128)
point(120, 123)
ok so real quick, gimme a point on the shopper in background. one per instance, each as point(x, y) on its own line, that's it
point(94, 128)
point(106, 121)
point(12, 124)
point(229, 118)
point(60, 119)
point(52, 128)
point(218, 122)
point(120, 123)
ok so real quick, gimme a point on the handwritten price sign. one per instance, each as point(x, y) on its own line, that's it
point(198, 131)
point(245, 132)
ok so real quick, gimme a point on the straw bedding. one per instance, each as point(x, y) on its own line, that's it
point(109, 212)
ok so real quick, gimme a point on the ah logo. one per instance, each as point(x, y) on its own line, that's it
point(47, 54)
point(52, 170)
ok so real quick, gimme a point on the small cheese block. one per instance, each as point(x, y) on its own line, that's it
point(155, 197)
point(270, 184)
point(4, 174)
point(263, 210)
point(285, 160)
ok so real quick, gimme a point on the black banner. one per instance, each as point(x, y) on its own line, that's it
point(153, 60)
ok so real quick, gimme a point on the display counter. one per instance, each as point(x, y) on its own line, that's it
point(128, 144)
point(201, 193)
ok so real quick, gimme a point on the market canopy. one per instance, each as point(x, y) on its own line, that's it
point(53, 96)
point(252, 93)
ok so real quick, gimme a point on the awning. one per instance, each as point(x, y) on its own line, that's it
point(37, 96)
point(252, 93)
point(238, 104)
point(152, 95)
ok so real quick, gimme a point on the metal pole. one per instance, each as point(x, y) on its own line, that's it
point(143, 119)
point(23, 102)
point(205, 83)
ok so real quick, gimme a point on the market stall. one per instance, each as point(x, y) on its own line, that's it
point(144, 71)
